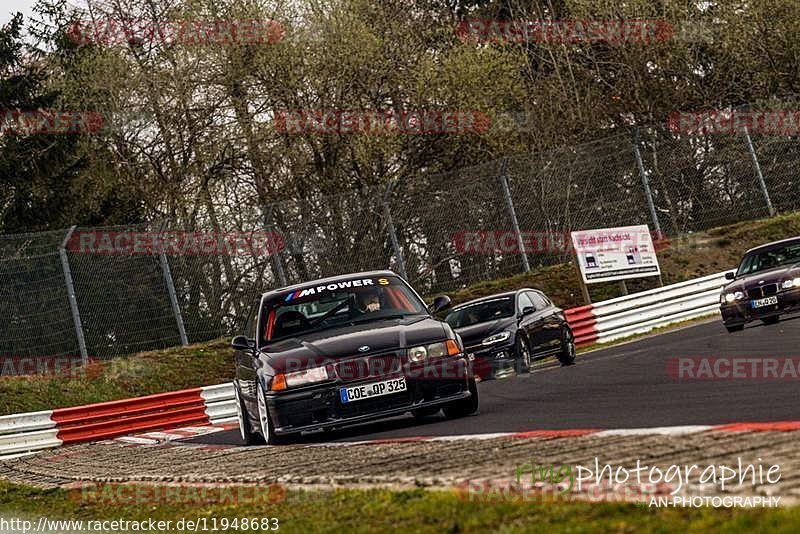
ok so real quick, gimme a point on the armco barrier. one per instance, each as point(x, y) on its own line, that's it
point(23, 434)
point(641, 312)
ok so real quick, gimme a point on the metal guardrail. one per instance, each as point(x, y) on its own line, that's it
point(641, 312)
point(220, 401)
point(23, 434)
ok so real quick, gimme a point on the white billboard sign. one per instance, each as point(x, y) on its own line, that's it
point(611, 254)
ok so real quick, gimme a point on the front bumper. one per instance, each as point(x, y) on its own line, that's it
point(493, 360)
point(320, 406)
point(741, 312)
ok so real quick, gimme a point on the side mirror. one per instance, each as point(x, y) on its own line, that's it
point(442, 302)
point(527, 310)
point(730, 276)
point(242, 343)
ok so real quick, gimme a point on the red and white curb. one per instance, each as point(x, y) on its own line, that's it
point(173, 438)
point(23, 434)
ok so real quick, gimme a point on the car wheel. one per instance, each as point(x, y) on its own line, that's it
point(771, 320)
point(737, 328)
point(567, 354)
point(266, 426)
point(245, 429)
point(463, 407)
point(426, 412)
point(522, 355)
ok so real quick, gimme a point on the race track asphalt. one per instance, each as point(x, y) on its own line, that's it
point(623, 386)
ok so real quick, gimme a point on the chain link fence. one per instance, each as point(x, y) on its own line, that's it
point(441, 232)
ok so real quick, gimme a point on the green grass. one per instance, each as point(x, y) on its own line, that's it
point(412, 511)
point(120, 378)
point(686, 257)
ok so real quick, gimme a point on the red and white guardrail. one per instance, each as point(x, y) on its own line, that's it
point(641, 312)
point(23, 434)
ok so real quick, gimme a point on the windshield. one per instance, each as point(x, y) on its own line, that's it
point(481, 312)
point(769, 259)
point(343, 302)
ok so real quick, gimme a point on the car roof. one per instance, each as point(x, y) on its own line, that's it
point(774, 244)
point(491, 297)
point(330, 279)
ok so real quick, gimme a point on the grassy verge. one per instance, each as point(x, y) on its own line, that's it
point(121, 378)
point(684, 258)
point(411, 511)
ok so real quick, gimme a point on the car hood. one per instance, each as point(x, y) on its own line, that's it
point(770, 276)
point(472, 335)
point(311, 350)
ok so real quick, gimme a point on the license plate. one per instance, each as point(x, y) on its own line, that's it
point(760, 303)
point(375, 389)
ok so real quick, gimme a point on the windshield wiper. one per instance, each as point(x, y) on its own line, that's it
point(332, 311)
point(380, 318)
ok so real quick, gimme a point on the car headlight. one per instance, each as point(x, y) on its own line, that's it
point(787, 284)
point(497, 338)
point(434, 350)
point(737, 295)
point(301, 378)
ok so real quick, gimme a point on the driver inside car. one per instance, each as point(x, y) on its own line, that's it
point(368, 301)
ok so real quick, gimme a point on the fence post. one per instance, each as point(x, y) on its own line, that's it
point(73, 302)
point(646, 183)
point(173, 297)
point(760, 176)
point(513, 213)
point(277, 266)
point(387, 213)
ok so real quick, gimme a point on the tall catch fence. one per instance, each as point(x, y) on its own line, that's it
point(63, 297)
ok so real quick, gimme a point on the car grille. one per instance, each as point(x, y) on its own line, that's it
point(762, 291)
point(369, 367)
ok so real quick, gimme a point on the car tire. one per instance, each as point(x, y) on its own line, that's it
point(267, 428)
point(775, 319)
point(567, 354)
point(522, 355)
point(463, 407)
point(249, 436)
point(422, 413)
point(737, 328)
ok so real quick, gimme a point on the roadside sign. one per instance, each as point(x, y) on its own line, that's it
point(609, 254)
